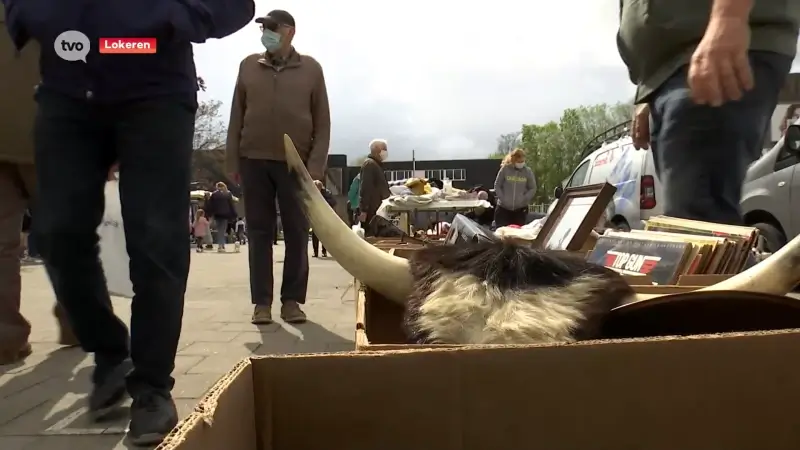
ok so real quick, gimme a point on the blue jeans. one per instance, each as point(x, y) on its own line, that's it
point(702, 153)
point(222, 231)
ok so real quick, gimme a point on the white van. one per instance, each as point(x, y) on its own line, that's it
point(631, 171)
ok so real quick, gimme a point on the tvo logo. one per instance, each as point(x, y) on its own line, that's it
point(72, 45)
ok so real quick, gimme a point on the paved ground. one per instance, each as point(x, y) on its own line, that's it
point(42, 400)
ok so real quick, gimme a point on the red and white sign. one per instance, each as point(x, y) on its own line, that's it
point(130, 46)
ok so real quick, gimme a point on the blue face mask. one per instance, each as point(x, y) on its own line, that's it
point(271, 40)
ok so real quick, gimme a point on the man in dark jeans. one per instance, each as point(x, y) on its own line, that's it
point(279, 91)
point(708, 75)
point(138, 110)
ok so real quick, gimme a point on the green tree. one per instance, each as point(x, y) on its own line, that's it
point(209, 129)
point(553, 150)
point(505, 143)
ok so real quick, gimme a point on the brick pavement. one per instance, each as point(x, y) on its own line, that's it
point(42, 401)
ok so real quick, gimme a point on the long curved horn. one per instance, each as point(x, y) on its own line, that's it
point(387, 274)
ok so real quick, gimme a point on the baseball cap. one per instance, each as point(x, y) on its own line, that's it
point(276, 17)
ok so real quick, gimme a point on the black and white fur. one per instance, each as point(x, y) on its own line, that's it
point(503, 293)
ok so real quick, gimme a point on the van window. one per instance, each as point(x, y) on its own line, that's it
point(579, 176)
point(785, 159)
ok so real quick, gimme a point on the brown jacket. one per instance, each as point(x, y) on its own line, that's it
point(374, 188)
point(271, 101)
point(19, 74)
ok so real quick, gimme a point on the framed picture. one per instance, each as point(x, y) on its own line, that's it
point(576, 214)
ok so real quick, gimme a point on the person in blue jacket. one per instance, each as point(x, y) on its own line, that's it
point(138, 110)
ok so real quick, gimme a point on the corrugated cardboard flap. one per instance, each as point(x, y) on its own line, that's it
point(223, 419)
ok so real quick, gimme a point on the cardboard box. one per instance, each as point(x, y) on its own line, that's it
point(721, 392)
point(384, 320)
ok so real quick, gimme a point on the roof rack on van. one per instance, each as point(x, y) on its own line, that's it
point(612, 134)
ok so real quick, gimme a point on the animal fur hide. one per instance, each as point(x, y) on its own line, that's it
point(501, 293)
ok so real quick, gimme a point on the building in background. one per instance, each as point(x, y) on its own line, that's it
point(465, 174)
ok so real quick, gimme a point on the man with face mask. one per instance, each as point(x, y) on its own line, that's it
point(374, 188)
point(277, 92)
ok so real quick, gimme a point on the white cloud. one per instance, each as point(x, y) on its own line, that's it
point(442, 77)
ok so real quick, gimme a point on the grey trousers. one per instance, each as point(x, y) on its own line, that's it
point(263, 181)
point(702, 152)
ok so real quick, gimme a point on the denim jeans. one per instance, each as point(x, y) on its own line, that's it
point(701, 152)
point(76, 142)
point(222, 231)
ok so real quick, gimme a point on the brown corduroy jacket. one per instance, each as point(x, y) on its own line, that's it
point(271, 100)
point(19, 75)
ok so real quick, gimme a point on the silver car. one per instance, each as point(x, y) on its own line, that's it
point(771, 192)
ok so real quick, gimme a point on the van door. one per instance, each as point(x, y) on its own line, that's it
point(789, 173)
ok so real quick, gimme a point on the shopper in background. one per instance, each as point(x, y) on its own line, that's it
point(200, 228)
point(373, 188)
point(514, 188)
point(328, 196)
point(222, 208)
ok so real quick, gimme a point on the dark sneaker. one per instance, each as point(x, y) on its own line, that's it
point(291, 312)
point(262, 315)
point(109, 390)
point(153, 416)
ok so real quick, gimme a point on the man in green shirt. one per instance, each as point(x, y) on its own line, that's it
point(708, 74)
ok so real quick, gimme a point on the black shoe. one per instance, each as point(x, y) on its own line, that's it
point(316, 256)
point(324, 255)
point(109, 390)
point(153, 416)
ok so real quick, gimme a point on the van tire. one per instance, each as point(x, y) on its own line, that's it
point(774, 237)
point(620, 224)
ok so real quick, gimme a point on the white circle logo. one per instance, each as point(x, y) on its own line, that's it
point(72, 46)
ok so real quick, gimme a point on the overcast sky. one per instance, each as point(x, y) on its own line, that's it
point(441, 76)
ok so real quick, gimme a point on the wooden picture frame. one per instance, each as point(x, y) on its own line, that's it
point(577, 233)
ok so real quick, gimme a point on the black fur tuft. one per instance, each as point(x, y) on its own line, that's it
point(509, 266)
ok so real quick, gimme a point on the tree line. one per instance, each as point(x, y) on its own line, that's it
point(553, 149)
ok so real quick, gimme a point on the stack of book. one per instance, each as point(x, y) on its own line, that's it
point(669, 247)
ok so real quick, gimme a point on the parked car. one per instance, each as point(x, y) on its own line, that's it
point(771, 192)
point(631, 171)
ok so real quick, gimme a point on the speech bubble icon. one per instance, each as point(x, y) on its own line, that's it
point(72, 45)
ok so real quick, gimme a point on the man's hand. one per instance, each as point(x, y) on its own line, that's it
point(641, 127)
point(362, 217)
point(720, 69)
